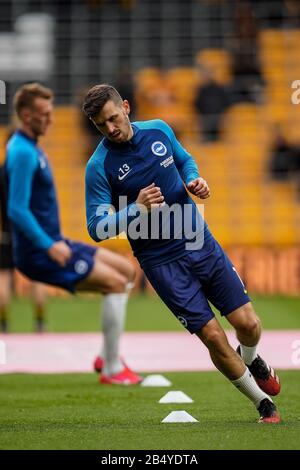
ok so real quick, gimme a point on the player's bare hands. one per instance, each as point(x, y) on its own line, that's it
point(60, 252)
point(150, 197)
point(199, 188)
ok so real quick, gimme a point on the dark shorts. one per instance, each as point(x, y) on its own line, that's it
point(42, 269)
point(6, 256)
point(187, 284)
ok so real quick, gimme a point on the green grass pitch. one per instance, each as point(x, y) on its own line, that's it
point(145, 313)
point(73, 411)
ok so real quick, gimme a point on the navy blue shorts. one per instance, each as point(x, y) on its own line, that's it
point(6, 256)
point(187, 284)
point(41, 268)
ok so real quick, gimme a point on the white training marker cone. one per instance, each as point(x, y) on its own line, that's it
point(179, 417)
point(176, 397)
point(156, 380)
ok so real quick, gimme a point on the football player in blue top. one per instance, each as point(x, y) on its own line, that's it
point(40, 250)
point(143, 173)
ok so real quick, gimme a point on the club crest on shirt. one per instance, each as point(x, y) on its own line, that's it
point(159, 149)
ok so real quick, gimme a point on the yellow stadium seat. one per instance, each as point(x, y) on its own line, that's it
point(218, 61)
point(183, 82)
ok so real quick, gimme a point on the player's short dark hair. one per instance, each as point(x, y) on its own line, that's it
point(26, 94)
point(97, 97)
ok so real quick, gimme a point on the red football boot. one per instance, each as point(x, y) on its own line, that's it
point(268, 412)
point(98, 364)
point(125, 377)
point(265, 376)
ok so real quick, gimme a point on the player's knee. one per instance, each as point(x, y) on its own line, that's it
point(128, 270)
point(215, 339)
point(250, 326)
point(131, 273)
point(115, 285)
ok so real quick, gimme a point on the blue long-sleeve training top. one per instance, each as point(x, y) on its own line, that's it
point(32, 202)
point(152, 155)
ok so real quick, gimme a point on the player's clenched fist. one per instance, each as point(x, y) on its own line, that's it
point(150, 197)
point(199, 188)
point(60, 252)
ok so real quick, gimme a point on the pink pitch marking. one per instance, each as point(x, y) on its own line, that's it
point(144, 352)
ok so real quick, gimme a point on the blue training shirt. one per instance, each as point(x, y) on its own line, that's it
point(32, 202)
point(153, 154)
